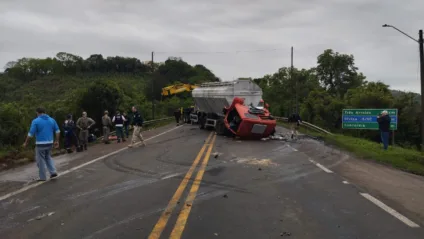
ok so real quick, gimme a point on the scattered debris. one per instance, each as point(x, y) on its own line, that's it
point(259, 169)
point(285, 234)
point(254, 161)
point(225, 196)
point(188, 205)
point(178, 202)
point(62, 224)
point(50, 213)
point(216, 234)
point(216, 154)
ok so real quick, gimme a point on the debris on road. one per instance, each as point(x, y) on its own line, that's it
point(216, 154)
point(254, 161)
point(216, 234)
point(225, 196)
point(39, 217)
point(259, 169)
point(285, 234)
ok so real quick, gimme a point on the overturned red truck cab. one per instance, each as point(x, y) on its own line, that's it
point(233, 108)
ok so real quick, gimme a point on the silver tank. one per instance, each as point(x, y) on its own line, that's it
point(214, 96)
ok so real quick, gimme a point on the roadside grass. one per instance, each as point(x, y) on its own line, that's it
point(408, 160)
point(14, 157)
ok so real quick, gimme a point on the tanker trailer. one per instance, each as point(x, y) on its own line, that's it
point(233, 108)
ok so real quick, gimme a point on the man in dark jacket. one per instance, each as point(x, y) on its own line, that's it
point(384, 126)
point(119, 121)
point(294, 121)
point(177, 114)
point(137, 123)
point(71, 138)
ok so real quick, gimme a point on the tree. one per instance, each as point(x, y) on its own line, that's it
point(374, 95)
point(338, 73)
point(100, 96)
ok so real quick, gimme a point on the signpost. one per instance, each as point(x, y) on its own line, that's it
point(367, 119)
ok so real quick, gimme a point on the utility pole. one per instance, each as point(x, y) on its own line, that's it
point(153, 89)
point(420, 42)
point(291, 79)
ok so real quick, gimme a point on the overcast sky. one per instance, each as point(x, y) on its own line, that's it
point(41, 28)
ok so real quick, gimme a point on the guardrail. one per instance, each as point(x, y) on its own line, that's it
point(307, 124)
point(145, 123)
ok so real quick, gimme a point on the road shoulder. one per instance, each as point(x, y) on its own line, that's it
point(399, 189)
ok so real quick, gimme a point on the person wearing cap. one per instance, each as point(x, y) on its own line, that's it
point(107, 123)
point(384, 127)
point(69, 133)
point(119, 121)
point(84, 124)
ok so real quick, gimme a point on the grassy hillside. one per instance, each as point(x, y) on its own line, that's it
point(68, 84)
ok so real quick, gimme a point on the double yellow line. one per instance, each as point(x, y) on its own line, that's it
point(179, 226)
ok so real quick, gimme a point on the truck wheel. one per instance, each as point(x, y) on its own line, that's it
point(201, 123)
point(220, 127)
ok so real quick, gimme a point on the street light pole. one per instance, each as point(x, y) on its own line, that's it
point(420, 42)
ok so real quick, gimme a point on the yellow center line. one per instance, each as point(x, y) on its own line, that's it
point(185, 211)
point(163, 220)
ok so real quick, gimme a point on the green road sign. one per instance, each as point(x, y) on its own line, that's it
point(366, 118)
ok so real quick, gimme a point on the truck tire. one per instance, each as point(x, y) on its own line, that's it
point(202, 121)
point(220, 127)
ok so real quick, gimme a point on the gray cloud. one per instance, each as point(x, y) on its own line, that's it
point(180, 27)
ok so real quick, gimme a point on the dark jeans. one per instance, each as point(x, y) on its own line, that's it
point(70, 139)
point(385, 139)
point(126, 130)
point(177, 118)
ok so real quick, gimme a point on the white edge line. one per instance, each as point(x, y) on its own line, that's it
point(292, 148)
point(80, 166)
point(389, 210)
point(321, 167)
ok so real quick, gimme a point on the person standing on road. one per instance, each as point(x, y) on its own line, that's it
point(70, 136)
point(137, 123)
point(119, 120)
point(43, 128)
point(294, 121)
point(126, 124)
point(177, 114)
point(384, 126)
point(107, 123)
point(84, 124)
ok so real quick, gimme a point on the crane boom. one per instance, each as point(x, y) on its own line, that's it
point(178, 88)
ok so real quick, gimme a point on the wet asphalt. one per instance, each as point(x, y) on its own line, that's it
point(249, 189)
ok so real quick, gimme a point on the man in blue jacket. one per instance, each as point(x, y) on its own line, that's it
point(43, 128)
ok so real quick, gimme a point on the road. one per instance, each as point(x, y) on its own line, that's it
point(190, 183)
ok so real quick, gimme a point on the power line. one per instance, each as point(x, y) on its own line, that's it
point(219, 52)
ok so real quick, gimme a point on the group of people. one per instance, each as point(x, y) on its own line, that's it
point(44, 127)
